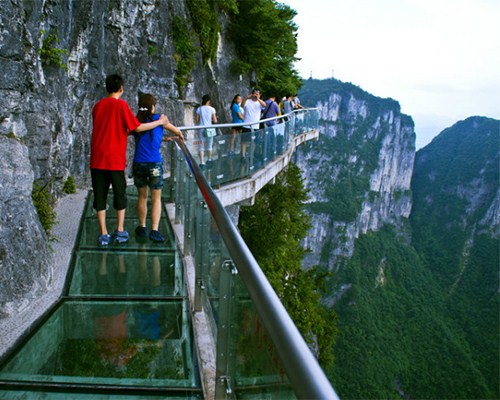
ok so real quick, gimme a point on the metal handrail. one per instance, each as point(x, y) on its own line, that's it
point(232, 125)
point(305, 375)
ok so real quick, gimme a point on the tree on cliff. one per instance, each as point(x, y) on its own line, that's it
point(266, 42)
point(273, 229)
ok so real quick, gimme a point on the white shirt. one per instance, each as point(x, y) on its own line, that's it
point(252, 113)
point(205, 113)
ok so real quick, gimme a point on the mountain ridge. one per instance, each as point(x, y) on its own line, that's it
point(416, 294)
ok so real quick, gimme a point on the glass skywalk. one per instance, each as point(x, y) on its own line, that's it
point(124, 328)
point(121, 331)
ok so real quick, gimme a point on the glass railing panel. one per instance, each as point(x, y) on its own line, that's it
point(257, 371)
point(239, 155)
point(247, 364)
point(127, 273)
point(244, 351)
point(115, 343)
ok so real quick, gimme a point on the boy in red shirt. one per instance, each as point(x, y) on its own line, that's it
point(113, 121)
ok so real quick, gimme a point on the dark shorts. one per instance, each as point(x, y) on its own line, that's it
point(148, 174)
point(246, 135)
point(101, 180)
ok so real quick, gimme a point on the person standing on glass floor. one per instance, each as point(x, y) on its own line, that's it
point(112, 122)
point(148, 168)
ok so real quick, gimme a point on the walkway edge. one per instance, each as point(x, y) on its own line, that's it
point(203, 337)
point(14, 327)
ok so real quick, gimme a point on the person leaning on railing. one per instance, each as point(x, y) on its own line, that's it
point(148, 168)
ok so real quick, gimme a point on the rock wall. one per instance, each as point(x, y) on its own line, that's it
point(20, 231)
point(46, 108)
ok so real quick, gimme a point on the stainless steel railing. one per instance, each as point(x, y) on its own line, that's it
point(304, 373)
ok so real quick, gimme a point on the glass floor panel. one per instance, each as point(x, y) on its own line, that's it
point(90, 232)
point(122, 273)
point(122, 331)
point(109, 343)
point(80, 395)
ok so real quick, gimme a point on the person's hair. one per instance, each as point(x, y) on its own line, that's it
point(255, 90)
point(113, 83)
point(205, 99)
point(146, 103)
point(234, 101)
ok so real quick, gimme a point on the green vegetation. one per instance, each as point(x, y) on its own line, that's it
point(400, 330)
point(419, 318)
point(69, 186)
point(273, 229)
point(262, 31)
point(455, 181)
point(314, 90)
point(266, 43)
point(152, 49)
point(184, 53)
point(44, 204)
point(12, 135)
point(50, 54)
point(206, 26)
point(459, 165)
point(346, 178)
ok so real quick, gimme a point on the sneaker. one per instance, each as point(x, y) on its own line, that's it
point(141, 231)
point(156, 236)
point(104, 240)
point(120, 237)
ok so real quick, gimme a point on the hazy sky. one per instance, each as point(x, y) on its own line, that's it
point(440, 59)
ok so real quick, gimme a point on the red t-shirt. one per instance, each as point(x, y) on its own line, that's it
point(113, 120)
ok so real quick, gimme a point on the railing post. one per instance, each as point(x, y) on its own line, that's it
point(265, 144)
point(202, 256)
point(172, 157)
point(188, 213)
point(224, 367)
point(180, 180)
point(251, 151)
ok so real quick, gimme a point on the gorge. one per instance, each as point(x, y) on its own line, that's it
point(411, 244)
point(409, 239)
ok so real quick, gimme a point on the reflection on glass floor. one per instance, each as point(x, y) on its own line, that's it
point(122, 331)
point(124, 273)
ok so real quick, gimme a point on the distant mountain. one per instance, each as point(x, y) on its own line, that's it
point(414, 268)
point(359, 171)
point(455, 223)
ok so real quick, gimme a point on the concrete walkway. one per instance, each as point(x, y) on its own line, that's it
point(69, 210)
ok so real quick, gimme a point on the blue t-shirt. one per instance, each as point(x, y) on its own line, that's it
point(271, 110)
point(148, 143)
point(235, 109)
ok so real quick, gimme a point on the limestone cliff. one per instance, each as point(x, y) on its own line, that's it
point(54, 57)
point(359, 172)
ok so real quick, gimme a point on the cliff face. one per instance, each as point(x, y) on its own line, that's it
point(359, 172)
point(414, 267)
point(20, 231)
point(456, 178)
point(54, 57)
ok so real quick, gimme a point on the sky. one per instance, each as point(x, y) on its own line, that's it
point(440, 59)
